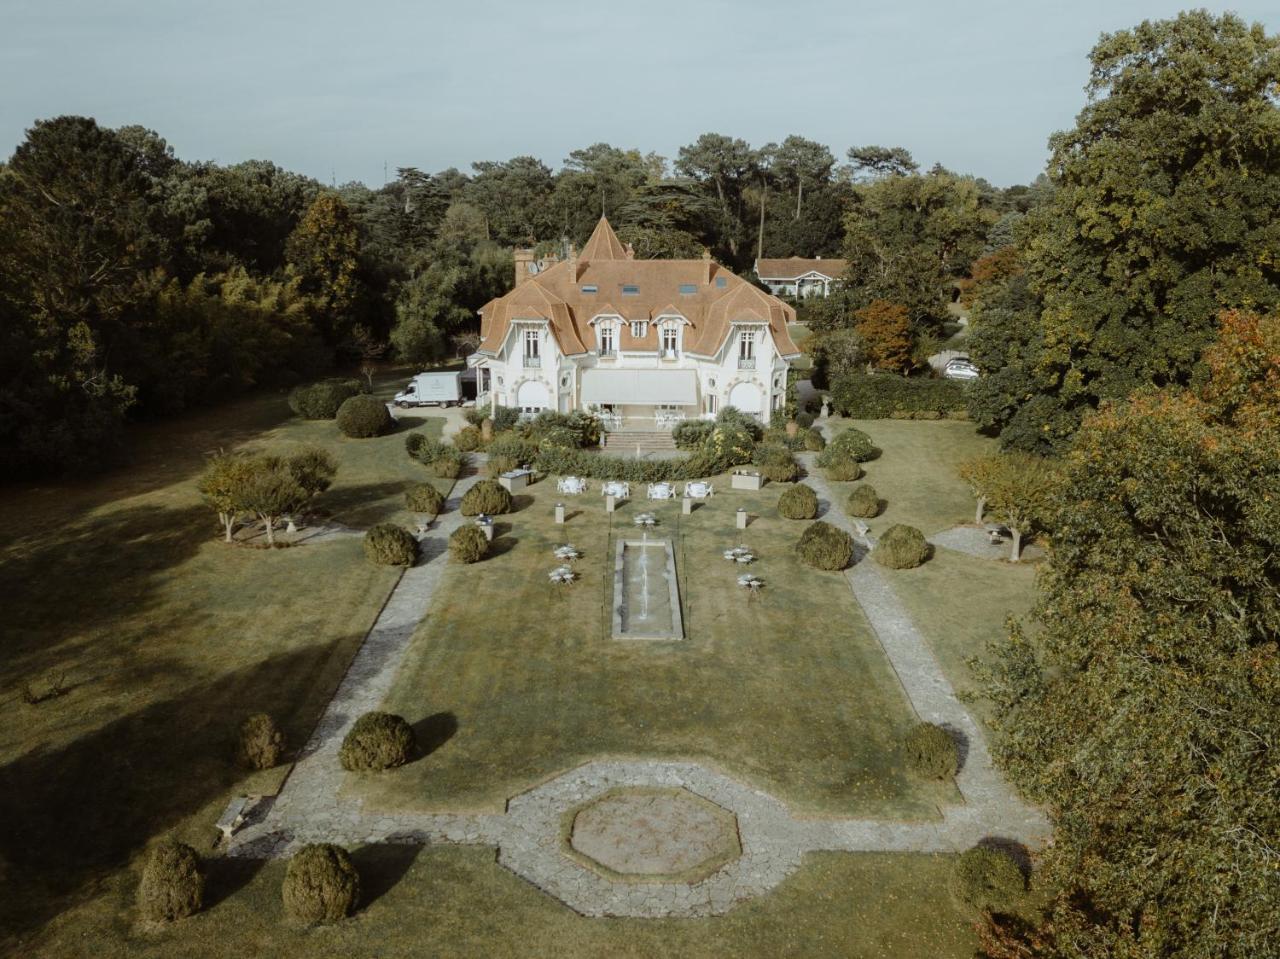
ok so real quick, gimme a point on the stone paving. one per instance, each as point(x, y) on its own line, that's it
point(530, 835)
point(975, 541)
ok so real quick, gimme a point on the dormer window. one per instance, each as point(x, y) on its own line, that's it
point(630, 289)
point(688, 289)
point(721, 282)
point(670, 339)
point(590, 288)
point(638, 329)
point(604, 333)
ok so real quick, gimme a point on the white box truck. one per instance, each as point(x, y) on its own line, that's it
point(431, 389)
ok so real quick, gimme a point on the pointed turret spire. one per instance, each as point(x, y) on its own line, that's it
point(604, 244)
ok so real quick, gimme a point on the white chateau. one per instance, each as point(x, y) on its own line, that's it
point(643, 343)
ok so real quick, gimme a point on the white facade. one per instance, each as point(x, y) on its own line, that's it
point(652, 389)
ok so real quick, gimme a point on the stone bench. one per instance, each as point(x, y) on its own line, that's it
point(233, 816)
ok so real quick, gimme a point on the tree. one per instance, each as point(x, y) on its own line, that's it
point(1146, 711)
point(885, 331)
point(1166, 196)
point(269, 491)
point(873, 162)
point(1019, 487)
point(726, 166)
point(221, 484)
point(325, 251)
point(797, 163)
point(515, 199)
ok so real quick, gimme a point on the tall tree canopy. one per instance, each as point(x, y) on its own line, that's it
point(1146, 712)
point(1165, 209)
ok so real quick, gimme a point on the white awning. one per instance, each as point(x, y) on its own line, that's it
point(640, 387)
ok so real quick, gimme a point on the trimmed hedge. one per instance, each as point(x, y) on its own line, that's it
point(864, 501)
point(872, 397)
point(424, 498)
point(389, 545)
point(468, 545)
point(172, 882)
point(901, 547)
point(777, 464)
point(798, 502)
point(320, 401)
point(691, 434)
point(987, 879)
point(931, 751)
point(321, 884)
point(377, 741)
point(487, 496)
point(364, 416)
point(824, 546)
point(260, 743)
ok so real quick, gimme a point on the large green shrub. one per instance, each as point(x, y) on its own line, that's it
point(475, 415)
point(901, 547)
point(776, 464)
point(931, 752)
point(449, 464)
point(468, 439)
point(513, 447)
point(320, 401)
point(505, 418)
point(321, 884)
point(851, 444)
point(389, 545)
point(814, 441)
point(576, 430)
point(864, 501)
point(987, 879)
point(364, 416)
point(172, 882)
point(824, 546)
point(870, 397)
point(691, 434)
point(804, 419)
point(487, 496)
point(259, 743)
point(798, 502)
point(844, 471)
point(377, 741)
point(468, 544)
point(425, 499)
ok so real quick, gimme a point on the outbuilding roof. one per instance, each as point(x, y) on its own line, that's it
point(794, 267)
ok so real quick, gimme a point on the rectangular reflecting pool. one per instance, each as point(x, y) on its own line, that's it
point(646, 594)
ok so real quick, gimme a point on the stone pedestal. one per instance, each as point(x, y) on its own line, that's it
point(746, 480)
point(485, 525)
point(610, 503)
point(686, 506)
point(742, 518)
point(559, 514)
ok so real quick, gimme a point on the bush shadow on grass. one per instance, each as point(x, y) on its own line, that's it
point(521, 502)
point(433, 732)
point(364, 505)
point(226, 875)
point(503, 542)
point(381, 868)
point(86, 808)
point(1012, 848)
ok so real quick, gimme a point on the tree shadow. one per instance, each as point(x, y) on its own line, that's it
point(226, 875)
point(503, 542)
point(434, 731)
point(381, 868)
point(363, 505)
point(1012, 848)
point(80, 811)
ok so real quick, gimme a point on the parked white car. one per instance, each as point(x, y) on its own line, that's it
point(961, 368)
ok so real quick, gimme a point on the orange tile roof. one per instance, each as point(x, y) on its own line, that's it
point(634, 290)
point(792, 267)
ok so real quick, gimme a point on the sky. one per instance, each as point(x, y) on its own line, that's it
point(344, 91)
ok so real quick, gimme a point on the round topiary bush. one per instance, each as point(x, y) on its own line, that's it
point(320, 401)
point(798, 502)
point(172, 883)
point(363, 416)
point(851, 444)
point(321, 884)
point(824, 546)
point(467, 439)
point(804, 419)
point(389, 545)
point(425, 499)
point(844, 471)
point(448, 465)
point(260, 743)
point(901, 547)
point(864, 501)
point(987, 879)
point(377, 741)
point(487, 496)
point(931, 751)
point(814, 441)
point(468, 545)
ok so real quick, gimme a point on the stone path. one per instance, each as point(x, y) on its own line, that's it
point(530, 834)
point(975, 541)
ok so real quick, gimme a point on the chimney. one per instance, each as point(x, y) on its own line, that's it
point(524, 260)
point(706, 266)
point(573, 263)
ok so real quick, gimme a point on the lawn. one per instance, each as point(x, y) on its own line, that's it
point(164, 639)
point(789, 691)
point(452, 901)
point(916, 473)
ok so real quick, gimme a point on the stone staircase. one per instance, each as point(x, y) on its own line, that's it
point(625, 442)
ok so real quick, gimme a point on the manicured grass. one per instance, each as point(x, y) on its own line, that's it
point(453, 901)
point(916, 472)
point(960, 604)
point(166, 638)
point(512, 680)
